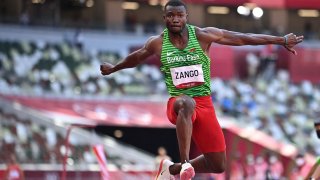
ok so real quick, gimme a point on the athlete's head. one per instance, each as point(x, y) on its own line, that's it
point(175, 16)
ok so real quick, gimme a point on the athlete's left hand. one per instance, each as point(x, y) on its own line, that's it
point(106, 68)
point(291, 41)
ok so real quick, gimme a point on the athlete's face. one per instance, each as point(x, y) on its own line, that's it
point(175, 18)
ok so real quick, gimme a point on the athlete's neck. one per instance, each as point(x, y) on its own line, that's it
point(181, 34)
point(179, 40)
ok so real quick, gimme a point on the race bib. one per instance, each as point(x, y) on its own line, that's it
point(187, 76)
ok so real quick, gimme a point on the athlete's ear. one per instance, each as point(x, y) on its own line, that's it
point(164, 14)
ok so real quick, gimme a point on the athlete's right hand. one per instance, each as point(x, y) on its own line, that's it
point(106, 68)
point(291, 41)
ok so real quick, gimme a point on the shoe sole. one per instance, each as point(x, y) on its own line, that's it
point(187, 174)
point(160, 168)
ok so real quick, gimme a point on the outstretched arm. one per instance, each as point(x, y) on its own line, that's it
point(133, 59)
point(314, 172)
point(226, 37)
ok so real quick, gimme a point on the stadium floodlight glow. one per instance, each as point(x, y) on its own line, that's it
point(257, 12)
point(153, 2)
point(38, 1)
point(130, 5)
point(242, 10)
point(308, 13)
point(89, 3)
point(218, 10)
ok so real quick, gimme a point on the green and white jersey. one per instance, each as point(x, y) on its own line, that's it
point(186, 71)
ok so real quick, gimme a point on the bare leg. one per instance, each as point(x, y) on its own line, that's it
point(214, 162)
point(184, 107)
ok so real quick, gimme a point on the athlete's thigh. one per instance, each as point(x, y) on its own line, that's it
point(207, 132)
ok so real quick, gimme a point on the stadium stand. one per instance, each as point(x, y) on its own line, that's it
point(50, 52)
point(21, 124)
point(39, 142)
point(293, 105)
point(65, 69)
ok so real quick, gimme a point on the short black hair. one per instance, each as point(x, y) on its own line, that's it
point(175, 3)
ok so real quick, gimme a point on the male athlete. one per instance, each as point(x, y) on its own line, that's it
point(183, 51)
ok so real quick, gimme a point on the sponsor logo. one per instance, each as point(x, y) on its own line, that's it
point(192, 50)
point(162, 172)
point(170, 53)
point(182, 58)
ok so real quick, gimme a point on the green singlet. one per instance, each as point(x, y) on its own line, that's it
point(186, 71)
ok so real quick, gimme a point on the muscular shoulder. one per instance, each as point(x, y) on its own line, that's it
point(208, 34)
point(154, 44)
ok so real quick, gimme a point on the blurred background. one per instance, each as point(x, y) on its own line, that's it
point(56, 110)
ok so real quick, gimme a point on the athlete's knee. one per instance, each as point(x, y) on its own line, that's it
point(217, 167)
point(217, 164)
point(184, 104)
point(221, 167)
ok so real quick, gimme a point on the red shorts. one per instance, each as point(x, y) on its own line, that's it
point(206, 133)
